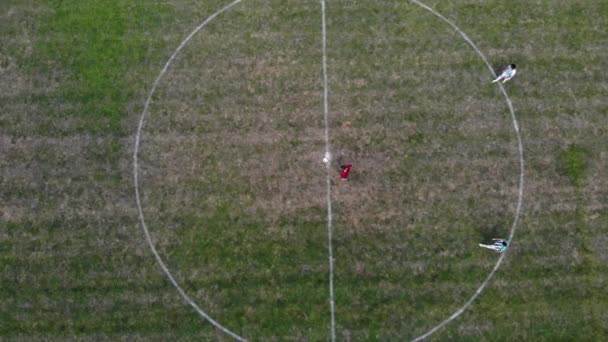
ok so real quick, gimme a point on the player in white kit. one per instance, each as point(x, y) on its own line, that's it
point(508, 74)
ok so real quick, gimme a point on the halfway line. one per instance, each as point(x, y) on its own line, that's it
point(332, 309)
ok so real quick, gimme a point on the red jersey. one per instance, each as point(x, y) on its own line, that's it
point(345, 171)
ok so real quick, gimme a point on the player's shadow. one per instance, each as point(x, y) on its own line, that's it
point(499, 67)
point(341, 159)
point(487, 233)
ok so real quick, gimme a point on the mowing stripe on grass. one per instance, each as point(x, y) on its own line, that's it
point(521, 175)
point(332, 309)
point(135, 177)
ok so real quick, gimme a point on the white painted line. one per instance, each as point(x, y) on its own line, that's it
point(136, 181)
point(521, 176)
point(328, 179)
point(332, 307)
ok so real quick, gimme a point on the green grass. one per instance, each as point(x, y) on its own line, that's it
point(96, 46)
point(233, 188)
point(573, 162)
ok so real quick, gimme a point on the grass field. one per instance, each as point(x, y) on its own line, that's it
point(234, 190)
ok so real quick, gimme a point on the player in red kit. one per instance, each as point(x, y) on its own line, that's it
point(345, 171)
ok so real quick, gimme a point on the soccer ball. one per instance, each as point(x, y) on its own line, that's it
point(325, 160)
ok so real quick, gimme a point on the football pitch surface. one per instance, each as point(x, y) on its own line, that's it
point(234, 192)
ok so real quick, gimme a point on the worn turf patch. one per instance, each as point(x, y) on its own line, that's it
point(233, 186)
